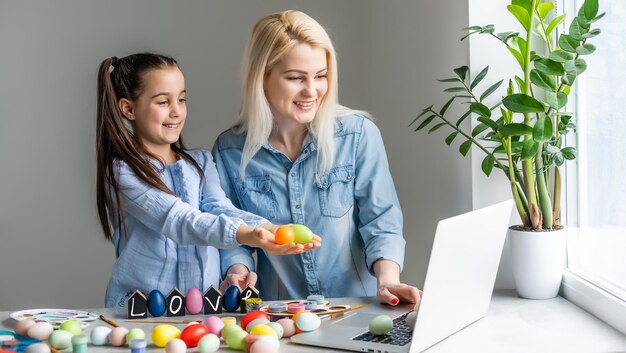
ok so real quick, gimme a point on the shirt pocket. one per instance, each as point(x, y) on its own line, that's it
point(336, 191)
point(256, 195)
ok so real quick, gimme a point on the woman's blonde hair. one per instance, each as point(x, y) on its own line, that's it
point(271, 38)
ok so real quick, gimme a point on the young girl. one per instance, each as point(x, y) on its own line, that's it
point(160, 204)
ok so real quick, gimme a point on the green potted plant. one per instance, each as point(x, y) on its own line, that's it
point(522, 134)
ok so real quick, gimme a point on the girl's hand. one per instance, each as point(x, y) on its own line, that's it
point(240, 276)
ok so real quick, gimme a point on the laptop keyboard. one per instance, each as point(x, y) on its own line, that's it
point(399, 335)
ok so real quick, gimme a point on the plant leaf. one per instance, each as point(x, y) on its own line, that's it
point(542, 132)
point(490, 123)
point(479, 77)
point(436, 127)
point(586, 49)
point(567, 43)
point(517, 55)
point(515, 129)
point(569, 153)
point(522, 103)
point(487, 165)
point(455, 89)
point(556, 100)
point(542, 80)
point(561, 56)
point(480, 109)
point(521, 14)
point(463, 117)
point(576, 30)
point(544, 9)
point(590, 9)
point(465, 147)
point(445, 106)
point(555, 22)
point(450, 80)
point(478, 129)
point(490, 90)
point(424, 111)
point(425, 122)
point(451, 138)
point(594, 32)
point(568, 79)
point(461, 72)
point(549, 67)
point(505, 36)
point(575, 67)
point(529, 149)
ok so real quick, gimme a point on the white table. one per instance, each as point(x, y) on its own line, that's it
point(512, 325)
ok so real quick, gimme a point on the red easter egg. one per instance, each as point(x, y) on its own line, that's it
point(252, 316)
point(193, 333)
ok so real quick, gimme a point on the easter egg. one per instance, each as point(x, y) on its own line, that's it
point(308, 322)
point(71, 326)
point(135, 333)
point(264, 347)
point(263, 330)
point(209, 343)
point(303, 233)
point(229, 329)
point(176, 346)
point(252, 316)
point(21, 327)
point(100, 335)
point(410, 320)
point(236, 339)
point(156, 303)
point(277, 328)
point(161, 334)
point(193, 301)
point(40, 331)
point(39, 347)
point(193, 333)
point(60, 339)
point(284, 235)
point(381, 325)
point(117, 337)
point(214, 325)
point(232, 297)
point(289, 327)
point(257, 321)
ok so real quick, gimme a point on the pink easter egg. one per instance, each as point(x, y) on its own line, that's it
point(214, 324)
point(40, 330)
point(117, 336)
point(193, 301)
point(289, 327)
point(21, 327)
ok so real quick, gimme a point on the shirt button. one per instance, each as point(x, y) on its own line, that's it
point(298, 206)
point(293, 174)
point(306, 151)
point(349, 177)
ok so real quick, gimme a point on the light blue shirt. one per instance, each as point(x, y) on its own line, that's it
point(171, 240)
point(353, 207)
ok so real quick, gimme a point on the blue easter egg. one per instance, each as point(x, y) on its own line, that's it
point(156, 303)
point(232, 298)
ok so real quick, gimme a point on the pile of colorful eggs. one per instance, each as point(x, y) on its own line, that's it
point(256, 333)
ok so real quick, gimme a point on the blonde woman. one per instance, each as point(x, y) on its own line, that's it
point(296, 156)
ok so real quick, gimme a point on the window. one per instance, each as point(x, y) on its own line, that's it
point(596, 189)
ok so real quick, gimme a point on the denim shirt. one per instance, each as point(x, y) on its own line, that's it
point(353, 208)
point(171, 240)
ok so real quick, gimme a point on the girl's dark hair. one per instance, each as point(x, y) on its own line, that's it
point(117, 79)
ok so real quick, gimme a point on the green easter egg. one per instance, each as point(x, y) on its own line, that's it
point(135, 333)
point(71, 326)
point(303, 233)
point(60, 339)
point(381, 325)
point(236, 339)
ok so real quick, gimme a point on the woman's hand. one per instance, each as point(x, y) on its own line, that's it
point(240, 276)
point(261, 237)
point(390, 290)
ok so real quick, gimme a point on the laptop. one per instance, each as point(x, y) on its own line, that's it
point(457, 291)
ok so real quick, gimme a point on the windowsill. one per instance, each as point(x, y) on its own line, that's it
point(595, 300)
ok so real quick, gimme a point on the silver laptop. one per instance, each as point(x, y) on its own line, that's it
point(457, 290)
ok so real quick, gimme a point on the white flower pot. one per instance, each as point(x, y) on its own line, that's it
point(538, 261)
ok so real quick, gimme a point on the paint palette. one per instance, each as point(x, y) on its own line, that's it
point(324, 309)
point(10, 341)
point(55, 316)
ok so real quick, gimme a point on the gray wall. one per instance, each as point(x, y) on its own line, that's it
point(52, 252)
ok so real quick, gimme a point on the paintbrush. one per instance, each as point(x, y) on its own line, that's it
point(339, 313)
